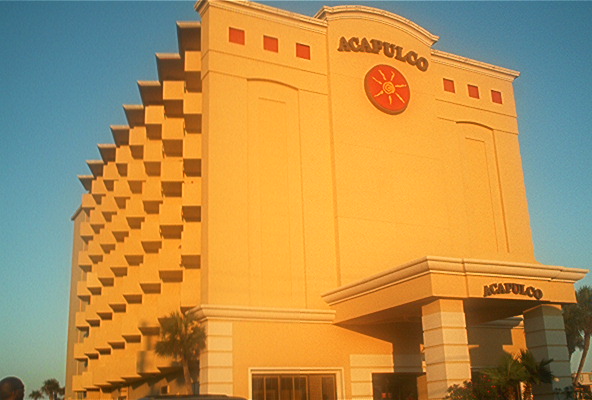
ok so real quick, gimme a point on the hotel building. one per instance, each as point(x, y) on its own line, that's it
point(341, 205)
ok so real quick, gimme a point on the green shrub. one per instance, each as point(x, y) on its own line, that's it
point(480, 388)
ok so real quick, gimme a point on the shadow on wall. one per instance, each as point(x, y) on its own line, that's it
point(488, 343)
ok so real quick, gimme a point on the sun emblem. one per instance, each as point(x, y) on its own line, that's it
point(387, 89)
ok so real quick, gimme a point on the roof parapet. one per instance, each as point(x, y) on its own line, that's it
point(369, 13)
point(443, 57)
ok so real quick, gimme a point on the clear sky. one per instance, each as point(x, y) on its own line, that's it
point(67, 67)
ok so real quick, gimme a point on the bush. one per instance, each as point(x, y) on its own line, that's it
point(480, 388)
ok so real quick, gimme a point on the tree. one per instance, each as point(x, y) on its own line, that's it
point(36, 395)
point(481, 387)
point(537, 372)
point(507, 375)
point(513, 370)
point(52, 389)
point(573, 334)
point(182, 338)
point(584, 312)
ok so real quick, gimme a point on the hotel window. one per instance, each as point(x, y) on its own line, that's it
point(496, 96)
point(270, 43)
point(449, 85)
point(302, 51)
point(236, 36)
point(294, 387)
point(473, 91)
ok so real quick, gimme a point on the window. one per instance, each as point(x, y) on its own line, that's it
point(294, 387)
point(394, 386)
point(302, 51)
point(449, 85)
point(496, 96)
point(236, 36)
point(270, 43)
point(473, 91)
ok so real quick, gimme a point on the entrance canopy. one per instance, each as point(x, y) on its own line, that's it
point(443, 297)
point(491, 290)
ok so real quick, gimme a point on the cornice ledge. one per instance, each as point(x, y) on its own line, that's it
point(523, 270)
point(253, 8)
point(442, 57)
point(364, 12)
point(452, 266)
point(298, 315)
point(392, 276)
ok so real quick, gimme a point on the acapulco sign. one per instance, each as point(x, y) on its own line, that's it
point(512, 288)
point(375, 46)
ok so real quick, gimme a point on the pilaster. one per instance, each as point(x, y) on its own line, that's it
point(216, 362)
point(446, 346)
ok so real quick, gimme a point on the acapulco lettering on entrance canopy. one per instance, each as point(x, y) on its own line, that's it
point(388, 49)
point(512, 288)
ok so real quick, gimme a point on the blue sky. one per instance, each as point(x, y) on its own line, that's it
point(67, 67)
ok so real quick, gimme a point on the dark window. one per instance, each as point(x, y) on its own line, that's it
point(449, 85)
point(496, 96)
point(270, 43)
point(473, 91)
point(302, 51)
point(294, 387)
point(236, 35)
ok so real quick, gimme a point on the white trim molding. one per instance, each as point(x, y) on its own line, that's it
point(297, 315)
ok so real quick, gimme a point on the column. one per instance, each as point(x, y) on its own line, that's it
point(445, 345)
point(545, 338)
point(407, 348)
point(362, 366)
point(215, 363)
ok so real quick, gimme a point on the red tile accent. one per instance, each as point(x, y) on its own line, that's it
point(302, 51)
point(236, 36)
point(496, 97)
point(270, 43)
point(473, 91)
point(449, 85)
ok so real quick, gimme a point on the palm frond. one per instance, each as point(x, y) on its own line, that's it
point(181, 336)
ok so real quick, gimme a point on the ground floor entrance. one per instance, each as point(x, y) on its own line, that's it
point(395, 386)
point(294, 387)
point(435, 310)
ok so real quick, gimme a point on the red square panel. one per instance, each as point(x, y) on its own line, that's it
point(496, 96)
point(302, 51)
point(449, 85)
point(236, 36)
point(473, 91)
point(270, 43)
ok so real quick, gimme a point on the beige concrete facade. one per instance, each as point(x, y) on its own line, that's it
point(342, 206)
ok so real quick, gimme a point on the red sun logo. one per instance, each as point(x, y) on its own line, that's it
point(387, 89)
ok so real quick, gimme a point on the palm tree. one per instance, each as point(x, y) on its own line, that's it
point(182, 338)
point(512, 370)
point(584, 297)
point(52, 389)
point(573, 334)
point(507, 375)
point(36, 395)
point(537, 372)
